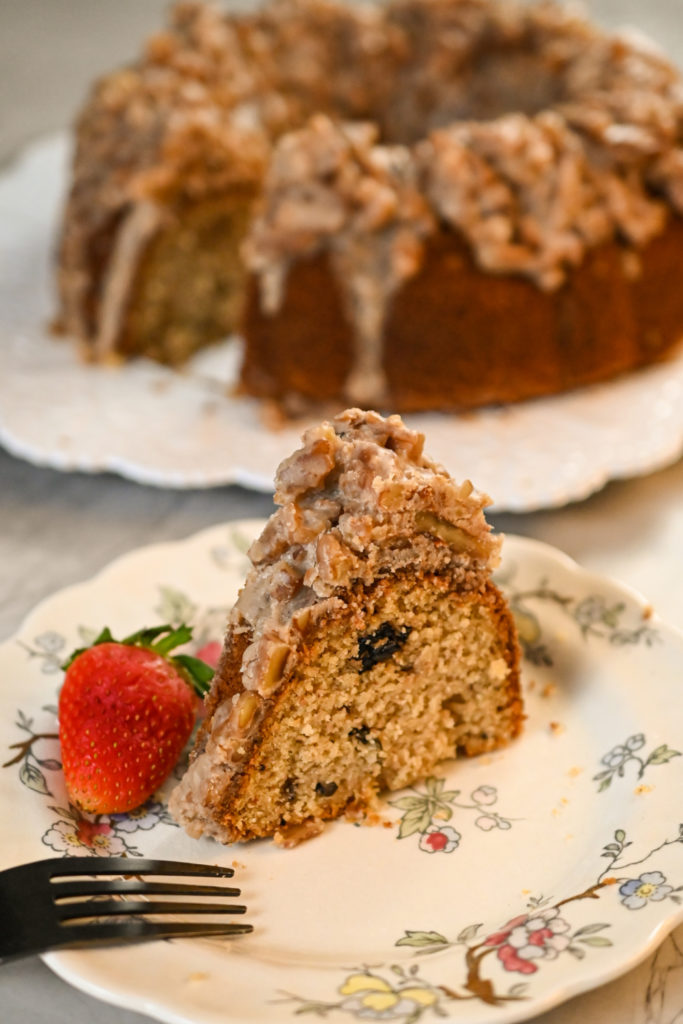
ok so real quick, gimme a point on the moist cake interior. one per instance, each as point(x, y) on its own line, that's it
point(411, 674)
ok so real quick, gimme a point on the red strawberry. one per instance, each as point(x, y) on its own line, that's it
point(126, 710)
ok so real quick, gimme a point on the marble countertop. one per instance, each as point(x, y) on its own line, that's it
point(58, 528)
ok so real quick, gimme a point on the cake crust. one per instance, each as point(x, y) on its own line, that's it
point(483, 338)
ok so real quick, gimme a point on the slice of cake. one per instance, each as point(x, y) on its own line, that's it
point(367, 644)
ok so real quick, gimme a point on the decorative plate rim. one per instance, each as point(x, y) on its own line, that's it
point(595, 432)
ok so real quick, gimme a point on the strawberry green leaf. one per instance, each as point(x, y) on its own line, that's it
point(200, 674)
point(161, 640)
point(103, 637)
point(153, 638)
point(176, 637)
point(146, 637)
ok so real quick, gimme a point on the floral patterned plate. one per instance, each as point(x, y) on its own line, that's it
point(496, 889)
point(59, 412)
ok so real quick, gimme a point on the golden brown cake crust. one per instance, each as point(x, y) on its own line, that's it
point(484, 338)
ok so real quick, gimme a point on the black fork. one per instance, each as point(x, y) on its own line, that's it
point(85, 901)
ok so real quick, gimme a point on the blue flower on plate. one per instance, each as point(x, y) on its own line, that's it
point(649, 887)
point(143, 818)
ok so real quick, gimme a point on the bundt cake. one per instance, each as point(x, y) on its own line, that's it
point(430, 204)
point(368, 643)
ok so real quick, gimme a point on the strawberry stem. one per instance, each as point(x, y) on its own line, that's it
point(199, 672)
point(161, 640)
point(146, 637)
point(181, 635)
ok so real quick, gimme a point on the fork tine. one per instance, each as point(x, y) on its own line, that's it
point(127, 931)
point(114, 908)
point(132, 866)
point(102, 886)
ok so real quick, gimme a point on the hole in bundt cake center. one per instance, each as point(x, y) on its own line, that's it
point(503, 82)
point(495, 81)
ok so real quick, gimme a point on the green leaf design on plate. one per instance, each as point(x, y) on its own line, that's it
point(662, 754)
point(417, 820)
point(469, 933)
point(409, 803)
point(175, 606)
point(590, 929)
point(33, 778)
point(422, 940)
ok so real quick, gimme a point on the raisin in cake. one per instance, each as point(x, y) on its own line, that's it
point(368, 643)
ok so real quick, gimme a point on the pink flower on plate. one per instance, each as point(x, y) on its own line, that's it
point(488, 821)
point(484, 795)
point(75, 838)
point(439, 839)
point(528, 938)
point(210, 653)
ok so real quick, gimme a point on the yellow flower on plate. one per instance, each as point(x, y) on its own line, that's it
point(364, 983)
point(374, 994)
point(423, 996)
point(380, 1001)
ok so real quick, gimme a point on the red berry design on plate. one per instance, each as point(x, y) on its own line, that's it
point(126, 710)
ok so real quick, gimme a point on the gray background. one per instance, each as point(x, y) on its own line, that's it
point(59, 528)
